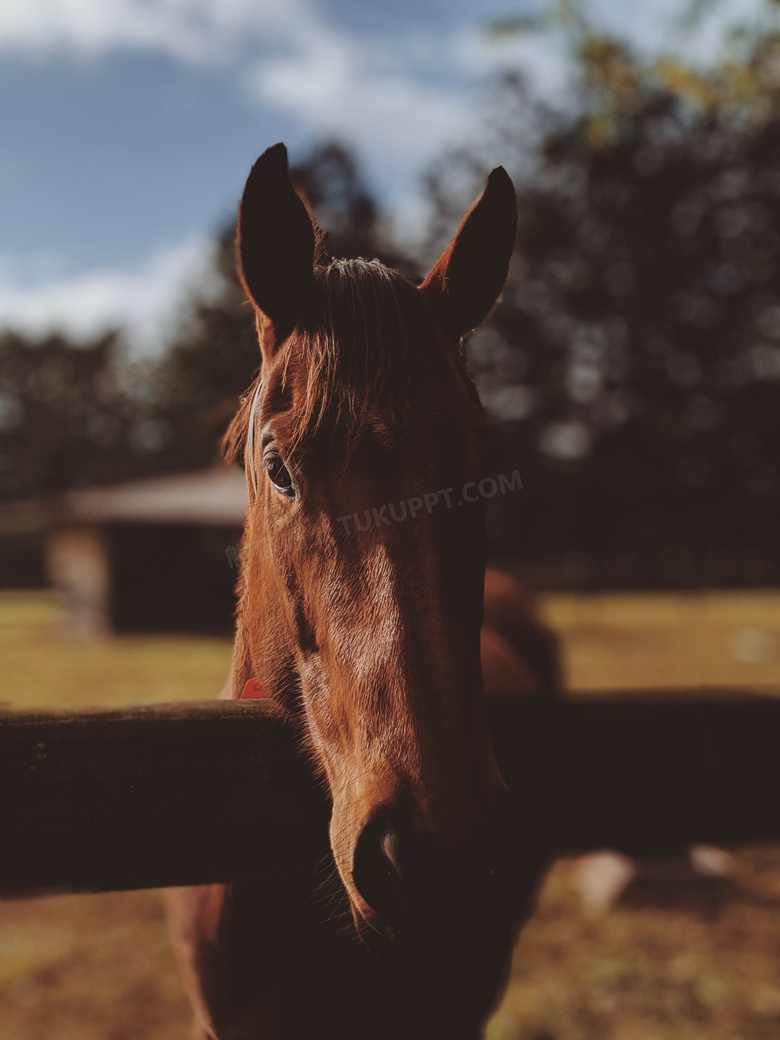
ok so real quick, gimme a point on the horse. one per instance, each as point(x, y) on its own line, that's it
point(360, 610)
point(520, 654)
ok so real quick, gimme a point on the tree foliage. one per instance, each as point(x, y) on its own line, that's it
point(63, 421)
point(634, 364)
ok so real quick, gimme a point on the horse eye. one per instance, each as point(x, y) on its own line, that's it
point(280, 476)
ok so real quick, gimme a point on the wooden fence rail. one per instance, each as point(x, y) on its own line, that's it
point(178, 794)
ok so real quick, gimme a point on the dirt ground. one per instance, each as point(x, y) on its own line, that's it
point(682, 961)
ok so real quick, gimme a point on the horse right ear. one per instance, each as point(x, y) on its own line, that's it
point(468, 277)
point(275, 243)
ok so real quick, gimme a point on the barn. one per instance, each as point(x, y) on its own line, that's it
point(158, 554)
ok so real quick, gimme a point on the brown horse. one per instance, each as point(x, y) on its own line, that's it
point(360, 608)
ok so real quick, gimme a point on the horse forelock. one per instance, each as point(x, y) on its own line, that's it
point(360, 342)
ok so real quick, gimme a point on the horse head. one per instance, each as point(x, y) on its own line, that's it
point(363, 563)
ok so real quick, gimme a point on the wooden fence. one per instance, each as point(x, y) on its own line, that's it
point(179, 794)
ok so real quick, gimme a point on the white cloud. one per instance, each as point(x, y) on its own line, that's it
point(542, 56)
point(194, 30)
point(143, 301)
point(206, 31)
point(400, 97)
point(368, 93)
point(382, 94)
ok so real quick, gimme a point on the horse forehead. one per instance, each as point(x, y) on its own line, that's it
point(415, 393)
point(422, 398)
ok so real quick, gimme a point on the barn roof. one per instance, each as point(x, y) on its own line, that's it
point(212, 497)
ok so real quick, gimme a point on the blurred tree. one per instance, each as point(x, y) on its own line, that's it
point(635, 362)
point(66, 417)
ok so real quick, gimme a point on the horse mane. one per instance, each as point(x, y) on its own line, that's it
point(358, 341)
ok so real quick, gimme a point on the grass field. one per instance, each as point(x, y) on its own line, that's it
point(703, 966)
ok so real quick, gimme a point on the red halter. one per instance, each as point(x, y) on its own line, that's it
point(252, 688)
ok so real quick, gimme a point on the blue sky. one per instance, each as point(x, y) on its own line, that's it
point(128, 126)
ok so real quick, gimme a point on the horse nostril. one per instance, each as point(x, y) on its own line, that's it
point(376, 869)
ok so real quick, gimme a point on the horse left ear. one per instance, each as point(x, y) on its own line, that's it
point(275, 243)
point(467, 278)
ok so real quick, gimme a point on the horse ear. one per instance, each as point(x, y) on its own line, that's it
point(275, 243)
point(467, 278)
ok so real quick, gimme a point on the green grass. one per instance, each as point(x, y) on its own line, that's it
point(703, 968)
point(42, 666)
point(94, 967)
point(627, 641)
